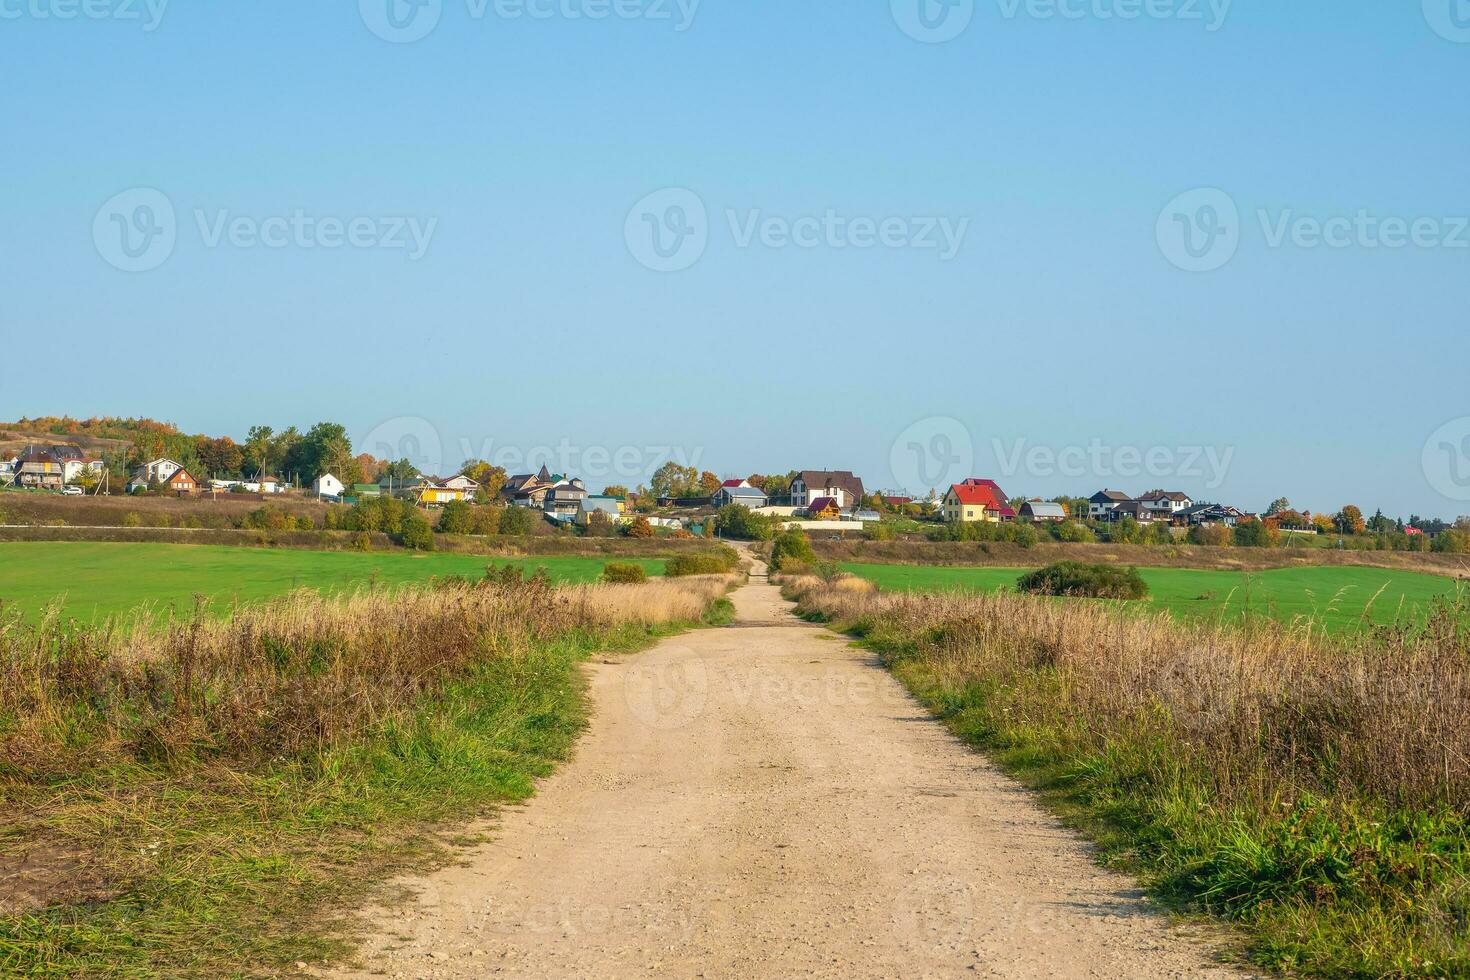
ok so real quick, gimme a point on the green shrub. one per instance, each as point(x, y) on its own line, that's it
point(457, 517)
point(1073, 532)
point(517, 520)
point(702, 564)
point(415, 532)
point(791, 547)
point(625, 572)
point(1075, 578)
point(735, 521)
point(1454, 542)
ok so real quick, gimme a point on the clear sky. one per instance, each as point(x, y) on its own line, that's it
point(1047, 137)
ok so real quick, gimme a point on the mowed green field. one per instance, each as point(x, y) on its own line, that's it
point(1334, 595)
point(100, 579)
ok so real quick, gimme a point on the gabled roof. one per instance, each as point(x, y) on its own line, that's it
point(729, 484)
point(743, 491)
point(844, 480)
point(608, 505)
point(983, 492)
point(1044, 508)
point(823, 503)
point(1109, 496)
point(1173, 495)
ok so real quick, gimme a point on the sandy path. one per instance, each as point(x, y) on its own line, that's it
point(765, 801)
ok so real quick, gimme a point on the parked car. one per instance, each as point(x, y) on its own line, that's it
point(73, 491)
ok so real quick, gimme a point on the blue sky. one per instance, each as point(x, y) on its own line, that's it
point(518, 146)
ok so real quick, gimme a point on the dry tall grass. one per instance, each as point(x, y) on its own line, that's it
point(287, 678)
point(1315, 789)
point(1271, 711)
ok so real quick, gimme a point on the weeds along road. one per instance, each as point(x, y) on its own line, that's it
point(764, 800)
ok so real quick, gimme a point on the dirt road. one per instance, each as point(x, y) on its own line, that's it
point(765, 801)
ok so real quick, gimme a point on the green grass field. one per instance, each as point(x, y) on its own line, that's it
point(1334, 595)
point(101, 579)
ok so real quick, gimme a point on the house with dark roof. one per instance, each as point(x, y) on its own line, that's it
point(976, 500)
point(824, 509)
point(564, 497)
point(529, 489)
point(1165, 503)
point(1100, 503)
point(1209, 514)
point(840, 485)
point(39, 470)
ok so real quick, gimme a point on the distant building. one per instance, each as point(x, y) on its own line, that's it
point(824, 509)
point(1102, 502)
point(609, 507)
point(976, 500)
point(839, 485)
point(745, 496)
point(1165, 503)
point(327, 485)
point(565, 497)
point(1043, 511)
point(38, 470)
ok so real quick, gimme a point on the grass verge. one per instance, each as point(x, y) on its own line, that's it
point(1311, 791)
point(171, 846)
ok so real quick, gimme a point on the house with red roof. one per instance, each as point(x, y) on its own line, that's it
point(976, 500)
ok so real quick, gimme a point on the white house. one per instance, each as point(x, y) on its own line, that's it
point(327, 485)
point(73, 468)
point(1100, 504)
point(841, 485)
point(1165, 503)
point(155, 471)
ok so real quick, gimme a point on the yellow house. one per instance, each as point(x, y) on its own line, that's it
point(824, 509)
point(974, 501)
point(432, 496)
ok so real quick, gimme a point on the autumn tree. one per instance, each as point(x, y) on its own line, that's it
point(1277, 506)
point(709, 484)
point(640, 528)
point(615, 490)
point(490, 478)
point(1349, 520)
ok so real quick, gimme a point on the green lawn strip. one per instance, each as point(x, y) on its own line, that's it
point(250, 870)
point(100, 579)
point(1335, 596)
point(1332, 888)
